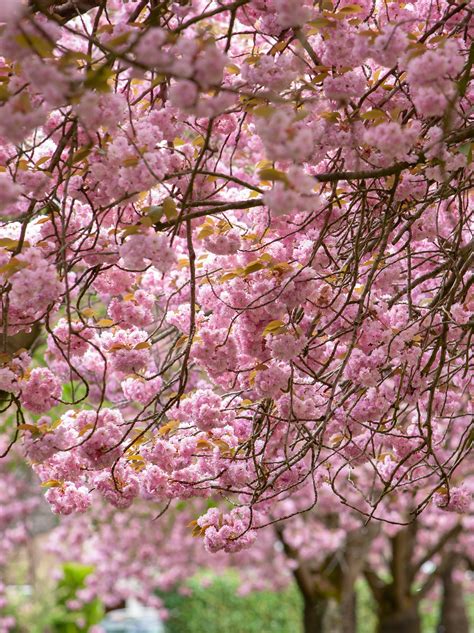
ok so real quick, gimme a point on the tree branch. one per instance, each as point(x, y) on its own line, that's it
point(376, 584)
point(437, 547)
point(457, 137)
point(243, 204)
point(63, 10)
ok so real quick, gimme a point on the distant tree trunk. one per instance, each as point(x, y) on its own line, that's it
point(341, 615)
point(453, 617)
point(406, 621)
point(351, 564)
point(328, 591)
point(314, 614)
point(398, 600)
point(348, 610)
point(397, 606)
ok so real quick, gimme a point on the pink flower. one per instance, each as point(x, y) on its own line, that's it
point(142, 389)
point(70, 338)
point(392, 140)
point(291, 13)
point(139, 251)
point(270, 381)
point(40, 391)
point(286, 346)
point(9, 193)
point(229, 532)
point(102, 433)
point(11, 10)
point(223, 244)
point(458, 500)
point(203, 408)
point(120, 489)
point(345, 87)
point(128, 350)
point(184, 94)
point(154, 484)
point(68, 498)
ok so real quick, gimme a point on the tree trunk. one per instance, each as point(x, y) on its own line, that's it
point(398, 609)
point(340, 616)
point(328, 592)
point(314, 614)
point(453, 617)
point(407, 621)
point(348, 610)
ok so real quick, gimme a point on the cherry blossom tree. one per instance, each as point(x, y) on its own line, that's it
point(323, 552)
point(244, 232)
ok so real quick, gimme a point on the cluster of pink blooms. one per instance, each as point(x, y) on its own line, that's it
point(393, 141)
point(69, 338)
point(7, 622)
point(40, 390)
point(29, 300)
point(159, 559)
point(12, 372)
point(459, 500)
point(245, 237)
point(141, 250)
point(431, 78)
point(230, 532)
point(9, 193)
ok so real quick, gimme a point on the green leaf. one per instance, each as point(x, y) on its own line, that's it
point(273, 175)
point(81, 154)
point(264, 111)
point(322, 22)
point(351, 9)
point(466, 149)
point(252, 268)
point(464, 81)
point(169, 208)
point(30, 427)
point(13, 266)
point(98, 79)
point(40, 45)
point(154, 212)
point(52, 483)
point(273, 327)
point(8, 243)
point(374, 115)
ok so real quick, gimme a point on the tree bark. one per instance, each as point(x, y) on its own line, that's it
point(64, 9)
point(340, 616)
point(328, 591)
point(397, 606)
point(348, 610)
point(407, 621)
point(314, 614)
point(453, 616)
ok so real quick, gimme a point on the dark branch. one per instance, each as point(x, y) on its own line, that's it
point(64, 10)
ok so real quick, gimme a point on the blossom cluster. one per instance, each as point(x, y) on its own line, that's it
point(244, 235)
